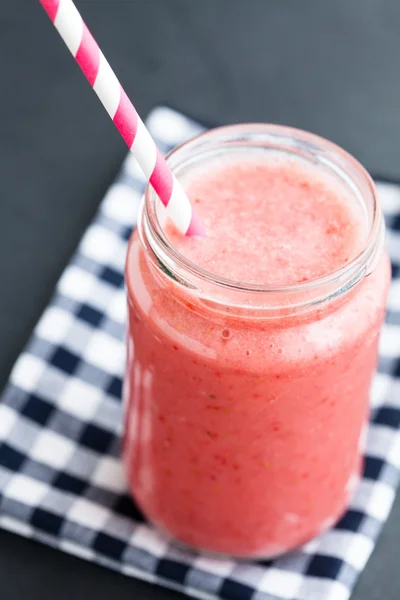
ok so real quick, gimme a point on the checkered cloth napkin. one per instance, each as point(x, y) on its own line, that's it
point(61, 480)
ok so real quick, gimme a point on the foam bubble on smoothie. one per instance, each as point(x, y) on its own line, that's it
point(271, 222)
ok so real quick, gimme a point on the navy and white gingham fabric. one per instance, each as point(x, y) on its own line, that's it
point(61, 480)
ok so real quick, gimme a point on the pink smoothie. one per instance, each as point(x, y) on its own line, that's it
point(270, 222)
point(242, 435)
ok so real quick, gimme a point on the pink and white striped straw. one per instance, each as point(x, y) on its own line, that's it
point(71, 27)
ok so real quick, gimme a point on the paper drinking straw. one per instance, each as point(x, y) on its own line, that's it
point(71, 27)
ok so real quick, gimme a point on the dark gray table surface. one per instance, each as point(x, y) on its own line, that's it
point(330, 67)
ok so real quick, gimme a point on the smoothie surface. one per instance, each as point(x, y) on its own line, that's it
point(270, 222)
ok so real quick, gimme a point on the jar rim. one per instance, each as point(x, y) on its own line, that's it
point(164, 250)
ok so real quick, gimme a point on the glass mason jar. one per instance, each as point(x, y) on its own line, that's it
point(245, 405)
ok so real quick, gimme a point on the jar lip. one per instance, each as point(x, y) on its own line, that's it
point(162, 248)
